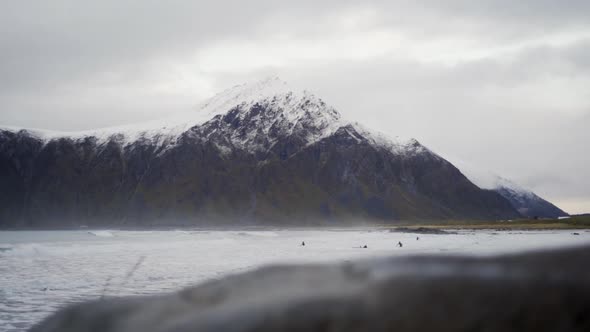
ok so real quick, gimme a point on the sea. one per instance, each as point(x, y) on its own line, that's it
point(43, 271)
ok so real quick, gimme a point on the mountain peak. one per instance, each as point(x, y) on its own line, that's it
point(252, 116)
point(267, 88)
point(522, 199)
point(255, 116)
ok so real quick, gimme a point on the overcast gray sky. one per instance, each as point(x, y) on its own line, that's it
point(502, 84)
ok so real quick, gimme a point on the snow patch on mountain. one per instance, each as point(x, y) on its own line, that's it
point(395, 145)
point(264, 111)
point(522, 199)
point(486, 179)
point(245, 94)
point(256, 116)
point(156, 131)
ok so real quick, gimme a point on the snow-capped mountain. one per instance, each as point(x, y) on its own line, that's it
point(255, 153)
point(524, 200)
point(265, 111)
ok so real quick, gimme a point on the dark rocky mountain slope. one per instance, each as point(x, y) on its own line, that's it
point(254, 154)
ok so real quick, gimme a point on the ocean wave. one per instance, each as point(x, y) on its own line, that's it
point(259, 233)
point(5, 249)
point(101, 233)
point(24, 250)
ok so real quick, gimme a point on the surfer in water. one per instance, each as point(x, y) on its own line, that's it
point(303, 243)
point(400, 244)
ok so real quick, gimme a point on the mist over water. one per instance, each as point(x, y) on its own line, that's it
point(41, 271)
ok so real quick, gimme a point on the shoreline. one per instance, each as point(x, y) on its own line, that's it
point(573, 223)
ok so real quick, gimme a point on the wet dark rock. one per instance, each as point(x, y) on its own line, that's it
point(542, 291)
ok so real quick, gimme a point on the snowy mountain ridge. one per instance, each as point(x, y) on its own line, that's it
point(268, 109)
point(524, 200)
point(486, 179)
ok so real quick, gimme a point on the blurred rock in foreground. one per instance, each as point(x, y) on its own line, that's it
point(541, 291)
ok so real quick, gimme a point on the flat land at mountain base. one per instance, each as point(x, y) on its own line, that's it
point(574, 222)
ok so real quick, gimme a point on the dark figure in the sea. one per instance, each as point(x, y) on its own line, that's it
point(303, 243)
point(417, 238)
point(576, 233)
point(400, 244)
point(365, 246)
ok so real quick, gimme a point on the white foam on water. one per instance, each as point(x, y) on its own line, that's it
point(258, 233)
point(101, 233)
